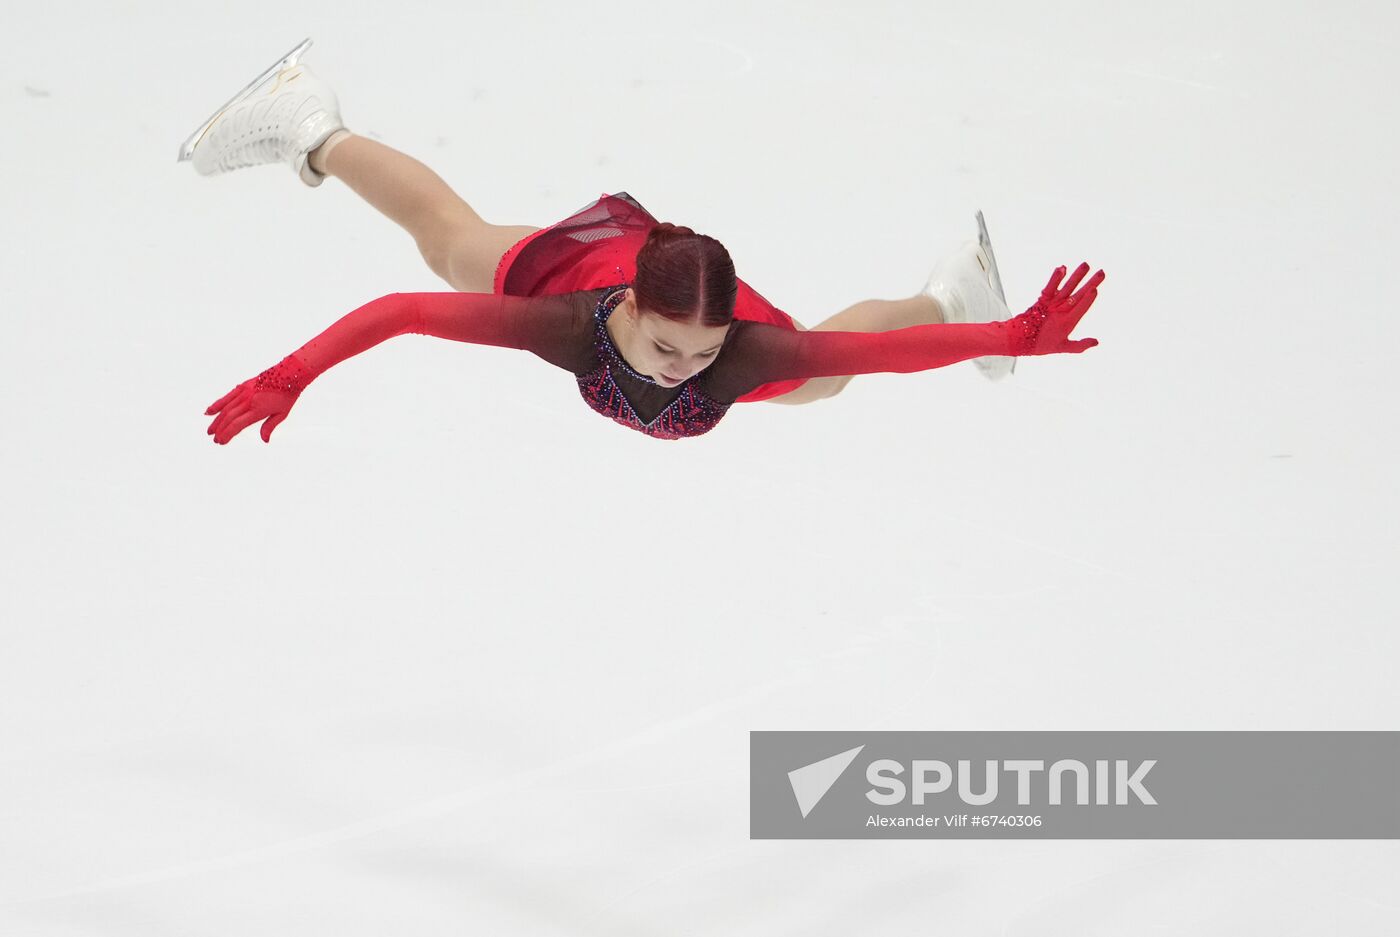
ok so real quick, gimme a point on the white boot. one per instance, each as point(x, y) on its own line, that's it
point(961, 284)
point(279, 120)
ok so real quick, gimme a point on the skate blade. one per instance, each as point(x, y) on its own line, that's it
point(286, 61)
point(985, 240)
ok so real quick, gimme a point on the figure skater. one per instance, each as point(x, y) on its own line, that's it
point(650, 318)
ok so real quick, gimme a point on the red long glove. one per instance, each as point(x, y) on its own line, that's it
point(1044, 328)
point(778, 354)
point(271, 394)
point(544, 325)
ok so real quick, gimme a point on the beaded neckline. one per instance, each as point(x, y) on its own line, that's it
point(690, 409)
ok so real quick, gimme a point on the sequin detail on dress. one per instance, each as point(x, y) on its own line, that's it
point(691, 413)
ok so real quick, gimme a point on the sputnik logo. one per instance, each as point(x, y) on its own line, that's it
point(811, 782)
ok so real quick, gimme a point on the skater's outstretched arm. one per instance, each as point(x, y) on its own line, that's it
point(771, 353)
point(556, 328)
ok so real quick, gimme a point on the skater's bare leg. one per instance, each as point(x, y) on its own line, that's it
point(871, 315)
point(457, 243)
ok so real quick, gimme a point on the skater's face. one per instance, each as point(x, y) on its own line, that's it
point(665, 350)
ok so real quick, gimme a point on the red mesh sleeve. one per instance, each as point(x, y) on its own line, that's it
point(762, 353)
point(557, 328)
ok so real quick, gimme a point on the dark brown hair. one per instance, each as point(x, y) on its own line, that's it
point(685, 276)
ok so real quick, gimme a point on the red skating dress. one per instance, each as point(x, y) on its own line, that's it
point(597, 247)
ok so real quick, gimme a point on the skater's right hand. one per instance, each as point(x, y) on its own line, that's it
point(270, 395)
point(1044, 328)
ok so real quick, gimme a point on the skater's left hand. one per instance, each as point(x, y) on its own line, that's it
point(1044, 328)
point(270, 395)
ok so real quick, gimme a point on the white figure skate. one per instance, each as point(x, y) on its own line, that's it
point(967, 285)
point(280, 117)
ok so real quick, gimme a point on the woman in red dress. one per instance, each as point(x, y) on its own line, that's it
point(692, 338)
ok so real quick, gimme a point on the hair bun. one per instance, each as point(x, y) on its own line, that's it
point(666, 229)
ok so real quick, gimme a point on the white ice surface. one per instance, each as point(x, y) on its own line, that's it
point(426, 663)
